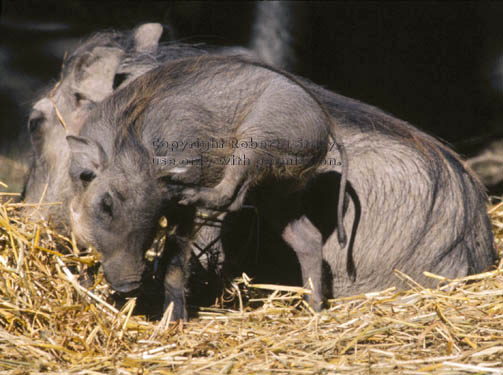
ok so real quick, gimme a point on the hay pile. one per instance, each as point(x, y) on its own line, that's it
point(50, 324)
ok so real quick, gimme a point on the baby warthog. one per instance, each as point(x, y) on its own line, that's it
point(209, 131)
point(246, 112)
point(99, 65)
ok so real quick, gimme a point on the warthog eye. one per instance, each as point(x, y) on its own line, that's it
point(35, 122)
point(86, 177)
point(81, 99)
point(119, 78)
point(107, 204)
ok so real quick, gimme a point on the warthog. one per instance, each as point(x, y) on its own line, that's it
point(205, 131)
point(99, 65)
point(251, 121)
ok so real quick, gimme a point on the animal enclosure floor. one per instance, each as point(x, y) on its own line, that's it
point(50, 324)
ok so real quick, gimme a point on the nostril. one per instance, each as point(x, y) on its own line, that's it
point(35, 122)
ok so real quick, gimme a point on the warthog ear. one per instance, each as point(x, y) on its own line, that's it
point(94, 72)
point(87, 158)
point(146, 37)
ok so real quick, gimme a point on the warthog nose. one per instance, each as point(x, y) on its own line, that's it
point(120, 279)
point(35, 121)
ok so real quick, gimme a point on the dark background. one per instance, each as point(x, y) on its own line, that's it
point(434, 64)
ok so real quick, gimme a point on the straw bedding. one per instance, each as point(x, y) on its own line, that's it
point(50, 324)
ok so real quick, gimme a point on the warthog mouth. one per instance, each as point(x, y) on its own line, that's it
point(127, 287)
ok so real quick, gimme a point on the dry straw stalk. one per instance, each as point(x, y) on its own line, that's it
point(50, 324)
